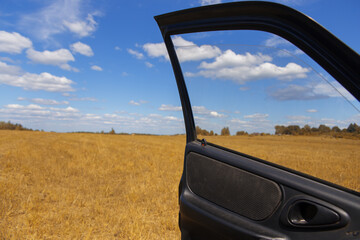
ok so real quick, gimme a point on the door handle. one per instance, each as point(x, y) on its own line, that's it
point(304, 213)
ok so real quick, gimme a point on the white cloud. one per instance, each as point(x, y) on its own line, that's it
point(156, 50)
point(9, 69)
point(201, 110)
point(257, 116)
point(7, 59)
point(117, 48)
point(135, 53)
point(311, 91)
point(58, 58)
point(230, 59)
point(298, 117)
point(13, 42)
point(185, 50)
point(14, 76)
point(332, 89)
point(96, 68)
point(68, 109)
point(291, 2)
point(243, 74)
point(165, 107)
point(209, 2)
point(189, 51)
point(82, 48)
point(43, 101)
point(60, 16)
point(149, 65)
point(132, 102)
point(43, 81)
point(275, 41)
point(82, 28)
point(312, 110)
point(257, 122)
point(90, 99)
point(34, 112)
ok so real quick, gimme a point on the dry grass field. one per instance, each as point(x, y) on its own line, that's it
point(96, 186)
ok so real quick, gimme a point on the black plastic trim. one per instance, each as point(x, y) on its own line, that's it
point(333, 55)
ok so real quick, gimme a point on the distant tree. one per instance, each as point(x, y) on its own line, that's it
point(279, 130)
point(292, 130)
point(324, 129)
point(204, 132)
point(12, 126)
point(225, 131)
point(336, 129)
point(112, 131)
point(241, 133)
point(352, 128)
point(306, 130)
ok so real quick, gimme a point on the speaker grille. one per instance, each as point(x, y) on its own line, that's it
point(232, 188)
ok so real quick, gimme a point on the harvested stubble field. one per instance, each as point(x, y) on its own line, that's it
point(96, 186)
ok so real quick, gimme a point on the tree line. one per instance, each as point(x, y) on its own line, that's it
point(12, 126)
point(352, 130)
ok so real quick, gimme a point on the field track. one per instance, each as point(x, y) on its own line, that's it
point(97, 186)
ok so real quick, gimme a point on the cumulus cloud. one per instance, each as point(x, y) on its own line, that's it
point(31, 81)
point(82, 28)
point(312, 110)
point(33, 111)
point(156, 50)
point(165, 107)
point(135, 53)
point(243, 74)
point(96, 68)
point(257, 122)
point(185, 50)
point(90, 99)
point(132, 102)
point(13, 42)
point(149, 65)
point(201, 110)
point(59, 58)
point(82, 48)
point(42, 101)
point(311, 91)
point(60, 16)
point(6, 69)
point(230, 59)
point(209, 2)
point(275, 41)
point(257, 116)
point(189, 51)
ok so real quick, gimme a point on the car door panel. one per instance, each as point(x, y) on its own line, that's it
point(224, 194)
point(257, 214)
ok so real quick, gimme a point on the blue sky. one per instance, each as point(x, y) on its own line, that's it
point(86, 65)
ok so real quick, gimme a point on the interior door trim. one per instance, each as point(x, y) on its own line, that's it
point(333, 55)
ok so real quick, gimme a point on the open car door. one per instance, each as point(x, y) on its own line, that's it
point(226, 194)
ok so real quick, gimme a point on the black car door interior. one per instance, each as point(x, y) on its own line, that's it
point(224, 194)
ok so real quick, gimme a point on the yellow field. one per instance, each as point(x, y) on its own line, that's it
point(96, 186)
